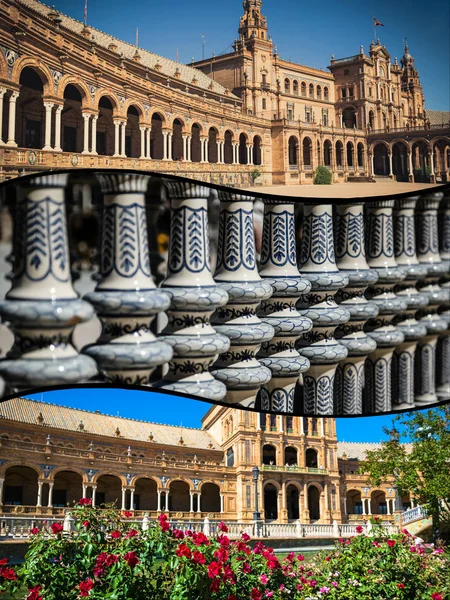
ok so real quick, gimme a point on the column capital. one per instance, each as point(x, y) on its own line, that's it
point(49, 105)
point(14, 96)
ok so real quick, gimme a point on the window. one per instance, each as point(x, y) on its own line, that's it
point(262, 421)
point(264, 106)
point(370, 91)
point(344, 92)
point(303, 87)
point(350, 92)
point(325, 117)
point(289, 424)
point(325, 93)
point(308, 114)
point(311, 90)
point(314, 426)
point(248, 452)
point(264, 79)
point(230, 457)
point(295, 87)
point(32, 134)
point(305, 425)
point(248, 496)
point(273, 422)
point(287, 86)
point(246, 418)
point(319, 92)
point(290, 112)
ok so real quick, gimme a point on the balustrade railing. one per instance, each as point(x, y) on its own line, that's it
point(286, 327)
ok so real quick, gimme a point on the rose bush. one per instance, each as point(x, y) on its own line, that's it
point(110, 557)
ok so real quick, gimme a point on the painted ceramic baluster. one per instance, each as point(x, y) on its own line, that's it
point(381, 258)
point(194, 297)
point(351, 261)
point(405, 253)
point(319, 345)
point(428, 254)
point(279, 268)
point(237, 274)
point(443, 349)
point(126, 298)
point(42, 307)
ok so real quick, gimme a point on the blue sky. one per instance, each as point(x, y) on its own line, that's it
point(304, 32)
point(172, 410)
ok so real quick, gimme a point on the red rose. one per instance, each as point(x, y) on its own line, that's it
point(56, 528)
point(400, 586)
point(183, 550)
point(111, 560)
point(85, 501)
point(198, 558)
point(116, 534)
point(246, 568)
point(300, 557)
point(214, 569)
point(436, 596)
point(228, 574)
point(255, 594)
point(127, 513)
point(8, 573)
point(215, 585)
point(328, 558)
point(34, 530)
point(391, 543)
point(223, 527)
point(223, 540)
point(34, 593)
point(359, 529)
point(86, 524)
point(85, 587)
point(132, 533)
point(199, 539)
point(3, 562)
point(178, 534)
point(221, 554)
point(131, 559)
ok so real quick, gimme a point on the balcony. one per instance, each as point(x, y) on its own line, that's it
point(265, 87)
point(294, 469)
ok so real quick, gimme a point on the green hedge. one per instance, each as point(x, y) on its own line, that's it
point(322, 176)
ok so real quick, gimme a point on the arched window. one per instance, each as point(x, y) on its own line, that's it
point(325, 93)
point(303, 89)
point(292, 150)
point(273, 422)
point(230, 457)
point(287, 86)
point(319, 92)
point(311, 90)
point(295, 88)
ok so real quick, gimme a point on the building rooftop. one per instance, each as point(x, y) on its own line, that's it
point(33, 412)
point(438, 117)
point(357, 450)
point(148, 59)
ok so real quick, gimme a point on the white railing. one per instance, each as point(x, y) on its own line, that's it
point(414, 514)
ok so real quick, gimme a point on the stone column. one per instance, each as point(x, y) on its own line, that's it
point(428, 254)
point(381, 258)
point(58, 112)
point(351, 261)
point(39, 494)
point(443, 350)
point(142, 130)
point(147, 133)
point(86, 117)
point(194, 296)
point(410, 168)
point(202, 150)
point(2, 93)
point(48, 126)
point(305, 514)
point(237, 274)
point(251, 155)
point(221, 504)
point(132, 490)
point(165, 155)
point(50, 494)
point(405, 254)
point(123, 127)
point(184, 147)
point(126, 298)
point(191, 497)
point(318, 265)
point(158, 507)
point(169, 146)
point(279, 269)
point(189, 148)
point(84, 490)
point(116, 138)
point(94, 493)
point(42, 307)
point(124, 497)
point(391, 172)
point(94, 135)
point(206, 151)
point(199, 497)
point(372, 168)
point(12, 119)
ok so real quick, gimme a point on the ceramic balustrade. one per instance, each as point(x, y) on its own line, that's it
point(126, 299)
point(42, 307)
point(403, 371)
point(443, 349)
point(381, 258)
point(237, 274)
point(351, 261)
point(318, 265)
point(428, 254)
point(279, 268)
point(194, 296)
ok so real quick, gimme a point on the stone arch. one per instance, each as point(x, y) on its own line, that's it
point(354, 502)
point(107, 110)
point(303, 89)
point(210, 497)
point(22, 463)
point(350, 147)
point(293, 150)
point(400, 167)
point(314, 501)
point(312, 458)
point(442, 138)
point(270, 492)
point(179, 495)
point(158, 121)
point(112, 97)
point(109, 488)
point(295, 87)
point(326, 93)
point(307, 152)
point(339, 153)
point(327, 153)
point(319, 92)
point(178, 127)
point(79, 85)
point(20, 486)
point(287, 85)
point(76, 470)
point(269, 452)
point(228, 137)
point(290, 455)
point(145, 493)
point(378, 504)
point(257, 150)
point(138, 106)
point(31, 123)
point(311, 91)
point(40, 68)
point(196, 150)
point(243, 141)
point(380, 158)
point(97, 476)
point(360, 155)
point(213, 137)
point(349, 117)
point(293, 501)
point(68, 487)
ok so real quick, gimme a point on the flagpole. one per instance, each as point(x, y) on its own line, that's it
point(85, 12)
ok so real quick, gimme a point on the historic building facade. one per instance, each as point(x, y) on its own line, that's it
point(72, 96)
point(51, 456)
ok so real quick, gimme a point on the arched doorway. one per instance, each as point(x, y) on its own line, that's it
point(360, 152)
point(145, 494)
point(421, 161)
point(380, 160)
point(243, 158)
point(313, 503)
point(400, 161)
point(105, 127)
point(132, 133)
point(354, 502)
point(311, 458)
point(212, 145)
point(177, 140)
point(371, 122)
point(339, 155)
point(196, 145)
point(327, 153)
point(30, 111)
point(156, 137)
point(292, 502)
point(349, 117)
point(210, 498)
point(270, 502)
point(179, 496)
point(293, 151)
point(290, 456)
point(67, 489)
point(257, 150)
point(20, 486)
point(72, 125)
point(228, 148)
point(378, 504)
point(109, 491)
point(269, 455)
point(350, 163)
point(306, 151)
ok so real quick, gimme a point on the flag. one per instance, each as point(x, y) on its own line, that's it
point(85, 11)
point(376, 23)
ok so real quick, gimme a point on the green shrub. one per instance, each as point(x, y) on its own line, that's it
point(322, 176)
point(255, 174)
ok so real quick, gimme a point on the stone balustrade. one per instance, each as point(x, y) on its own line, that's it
point(327, 310)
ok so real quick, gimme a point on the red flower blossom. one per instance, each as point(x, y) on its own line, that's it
point(198, 558)
point(34, 593)
point(86, 524)
point(391, 543)
point(131, 559)
point(183, 550)
point(200, 538)
point(132, 533)
point(111, 560)
point(34, 530)
point(232, 597)
point(359, 529)
point(223, 527)
point(400, 586)
point(127, 514)
point(85, 587)
point(3, 562)
point(178, 534)
point(228, 574)
point(273, 563)
point(215, 585)
point(116, 534)
point(246, 568)
point(300, 557)
point(221, 554)
point(56, 528)
point(245, 537)
point(223, 540)
point(214, 569)
point(436, 596)
point(85, 501)
point(328, 558)
point(255, 594)
point(8, 573)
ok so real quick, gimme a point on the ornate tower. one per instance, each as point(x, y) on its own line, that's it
point(253, 24)
point(414, 110)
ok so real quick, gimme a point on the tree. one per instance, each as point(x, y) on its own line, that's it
point(322, 176)
point(421, 469)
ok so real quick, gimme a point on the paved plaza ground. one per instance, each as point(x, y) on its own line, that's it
point(343, 190)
